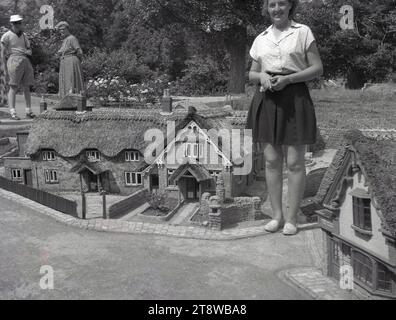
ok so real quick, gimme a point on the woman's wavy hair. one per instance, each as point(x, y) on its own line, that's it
point(292, 11)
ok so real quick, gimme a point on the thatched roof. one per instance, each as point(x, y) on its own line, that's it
point(113, 130)
point(378, 160)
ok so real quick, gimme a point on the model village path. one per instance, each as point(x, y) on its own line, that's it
point(104, 265)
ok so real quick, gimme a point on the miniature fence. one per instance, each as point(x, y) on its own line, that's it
point(131, 203)
point(45, 198)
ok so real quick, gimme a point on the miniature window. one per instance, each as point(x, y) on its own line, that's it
point(194, 150)
point(133, 178)
point(384, 278)
point(93, 155)
point(363, 268)
point(51, 176)
point(16, 175)
point(170, 172)
point(131, 156)
point(214, 173)
point(48, 155)
point(362, 213)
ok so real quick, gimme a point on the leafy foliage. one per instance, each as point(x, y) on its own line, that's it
point(194, 42)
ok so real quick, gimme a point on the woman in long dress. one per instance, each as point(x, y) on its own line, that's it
point(70, 75)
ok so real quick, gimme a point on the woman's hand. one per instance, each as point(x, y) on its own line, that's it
point(265, 81)
point(279, 82)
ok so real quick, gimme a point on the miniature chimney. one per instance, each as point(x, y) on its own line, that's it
point(73, 102)
point(166, 102)
point(81, 102)
point(22, 139)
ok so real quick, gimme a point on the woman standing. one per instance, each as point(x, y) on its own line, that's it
point(70, 76)
point(282, 115)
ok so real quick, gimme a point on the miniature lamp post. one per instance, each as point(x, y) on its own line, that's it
point(83, 205)
point(166, 101)
point(103, 193)
point(43, 104)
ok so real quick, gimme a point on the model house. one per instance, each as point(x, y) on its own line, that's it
point(358, 219)
point(73, 149)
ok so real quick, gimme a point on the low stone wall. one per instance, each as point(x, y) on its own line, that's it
point(128, 204)
point(230, 213)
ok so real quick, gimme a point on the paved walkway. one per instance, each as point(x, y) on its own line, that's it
point(318, 286)
point(135, 212)
point(104, 265)
point(192, 232)
point(20, 108)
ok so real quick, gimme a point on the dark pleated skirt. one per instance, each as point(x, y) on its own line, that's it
point(285, 117)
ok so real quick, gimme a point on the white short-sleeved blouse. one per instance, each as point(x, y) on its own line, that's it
point(286, 55)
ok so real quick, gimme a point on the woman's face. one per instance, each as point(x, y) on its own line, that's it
point(64, 31)
point(279, 10)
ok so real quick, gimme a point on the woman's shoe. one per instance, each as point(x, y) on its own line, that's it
point(272, 226)
point(289, 229)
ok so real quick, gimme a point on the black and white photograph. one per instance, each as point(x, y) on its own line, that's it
point(197, 155)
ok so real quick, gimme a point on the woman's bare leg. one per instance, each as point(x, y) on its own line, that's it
point(273, 174)
point(295, 158)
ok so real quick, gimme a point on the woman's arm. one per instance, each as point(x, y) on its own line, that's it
point(314, 70)
point(256, 76)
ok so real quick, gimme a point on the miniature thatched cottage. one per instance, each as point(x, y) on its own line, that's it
point(358, 219)
point(72, 149)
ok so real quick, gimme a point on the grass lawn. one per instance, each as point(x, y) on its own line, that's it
point(350, 109)
point(11, 130)
point(354, 109)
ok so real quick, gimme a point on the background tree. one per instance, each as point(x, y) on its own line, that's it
point(227, 21)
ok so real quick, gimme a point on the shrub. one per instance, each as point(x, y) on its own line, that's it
point(47, 82)
point(202, 76)
point(157, 201)
point(118, 63)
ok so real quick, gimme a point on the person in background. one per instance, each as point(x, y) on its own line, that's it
point(282, 115)
point(18, 70)
point(70, 53)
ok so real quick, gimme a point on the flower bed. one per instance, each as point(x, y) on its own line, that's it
point(118, 91)
point(168, 205)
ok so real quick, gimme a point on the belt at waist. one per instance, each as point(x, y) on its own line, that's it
point(68, 55)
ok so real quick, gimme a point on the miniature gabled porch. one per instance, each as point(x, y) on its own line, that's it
point(192, 181)
point(93, 176)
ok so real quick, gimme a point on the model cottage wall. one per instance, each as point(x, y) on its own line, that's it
point(376, 242)
point(112, 179)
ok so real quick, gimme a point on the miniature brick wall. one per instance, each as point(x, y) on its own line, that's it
point(228, 214)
